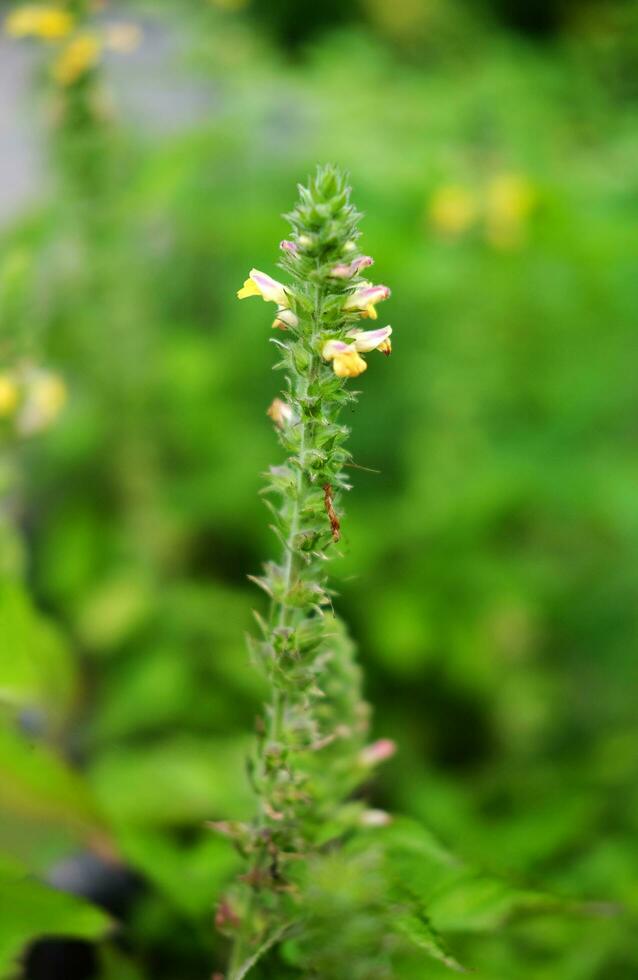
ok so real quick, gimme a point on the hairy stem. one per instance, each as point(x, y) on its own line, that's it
point(306, 762)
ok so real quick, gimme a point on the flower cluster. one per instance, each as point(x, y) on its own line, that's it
point(77, 51)
point(344, 353)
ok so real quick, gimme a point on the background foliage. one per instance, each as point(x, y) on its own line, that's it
point(489, 569)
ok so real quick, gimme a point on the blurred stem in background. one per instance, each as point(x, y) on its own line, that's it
point(31, 399)
point(107, 304)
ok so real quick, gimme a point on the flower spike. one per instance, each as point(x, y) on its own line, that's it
point(311, 752)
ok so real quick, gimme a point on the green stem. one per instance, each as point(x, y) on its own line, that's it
point(279, 615)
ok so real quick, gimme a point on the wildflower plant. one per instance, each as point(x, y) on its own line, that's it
point(77, 44)
point(331, 888)
point(310, 754)
point(74, 43)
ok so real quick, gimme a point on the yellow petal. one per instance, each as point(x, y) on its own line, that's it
point(39, 20)
point(9, 395)
point(248, 289)
point(20, 22)
point(371, 312)
point(349, 365)
point(79, 57)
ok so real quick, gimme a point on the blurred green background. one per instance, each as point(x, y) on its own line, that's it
point(489, 568)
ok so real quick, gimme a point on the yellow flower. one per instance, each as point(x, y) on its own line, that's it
point(79, 56)
point(452, 209)
point(46, 21)
point(509, 201)
point(9, 395)
point(260, 284)
point(365, 298)
point(348, 364)
point(45, 397)
point(346, 358)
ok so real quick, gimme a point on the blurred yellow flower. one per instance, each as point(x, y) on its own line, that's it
point(78, 57)
point(46, 21)
point(9, 395)
point(453, 209)
point(44, 398)
point(509, 200)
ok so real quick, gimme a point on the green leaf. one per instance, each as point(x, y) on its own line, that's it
point(38, 784)
point(190, 875)
point(113, 611)
point(179, 780)
point(456, 897)
point(477, 902)
point(420, 932)
point(36, 668)
point(410, 837)
point(31, 910)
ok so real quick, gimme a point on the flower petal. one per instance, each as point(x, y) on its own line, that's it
point(285, 318)
point(248, 289)
point(287, 246)
point(365, 297)
point(280, 412)
point(261, 284)
point(363, 263)
point(349, 364)
point(334, 348)
point(341, 271)
point(367, 340)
